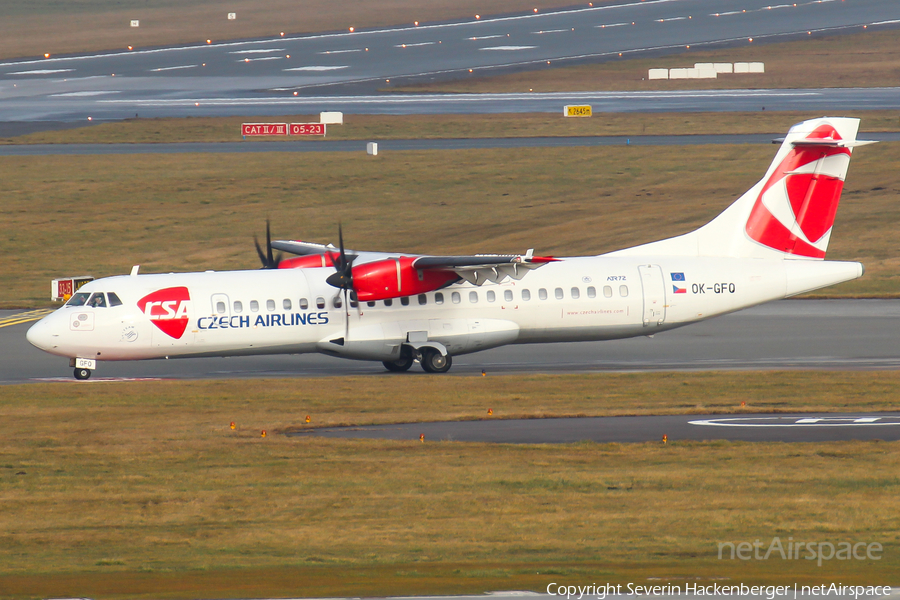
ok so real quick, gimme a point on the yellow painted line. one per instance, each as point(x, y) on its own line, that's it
point(25, 317)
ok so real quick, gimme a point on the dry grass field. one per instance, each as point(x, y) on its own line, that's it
point(33, 27)
point(393, 127)
point(69, 215)
point(867, 59)
point(142, 490)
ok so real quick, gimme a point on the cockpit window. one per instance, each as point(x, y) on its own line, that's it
point(98, 300)
point(78, 299)
point(113, 299)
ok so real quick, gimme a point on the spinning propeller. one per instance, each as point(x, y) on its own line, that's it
point(342, 278)
point(268, 259)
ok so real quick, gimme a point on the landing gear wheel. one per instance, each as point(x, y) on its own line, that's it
point(82, 374)
point(400, 365)
point(435, 362)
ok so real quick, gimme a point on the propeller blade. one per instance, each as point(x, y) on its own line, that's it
point(267, 258)
point(262, 256)
point(271, 264)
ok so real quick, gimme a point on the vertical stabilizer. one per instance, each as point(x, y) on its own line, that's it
point(790, 212)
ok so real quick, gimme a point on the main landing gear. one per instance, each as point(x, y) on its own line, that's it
point(82, 374)
point(432, 361)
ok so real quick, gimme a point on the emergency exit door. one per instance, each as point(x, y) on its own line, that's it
point(654, 289)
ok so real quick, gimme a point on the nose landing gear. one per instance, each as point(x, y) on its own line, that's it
point(82, 374)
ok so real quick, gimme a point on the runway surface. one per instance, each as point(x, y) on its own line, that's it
point(343, 69)
point(806, 427)
point(790, 334)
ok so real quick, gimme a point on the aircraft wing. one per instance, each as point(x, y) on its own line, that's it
point(480, 268)
point(476, 269)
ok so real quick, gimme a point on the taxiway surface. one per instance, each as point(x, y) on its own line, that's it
point(790, 334)
point(259, 77)
point(806, 427)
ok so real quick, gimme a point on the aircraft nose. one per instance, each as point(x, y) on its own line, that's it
point(39, 335)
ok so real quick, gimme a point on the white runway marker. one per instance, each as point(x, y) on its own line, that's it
point(246, 60)
point(340, 51)
point(414, 45)
point(261, 51)
point(83, 94)
point(317, 68)
point(508, 48)
point(604, 26)
point(41, 72)
point(172, 68)
point(551, 31)
point(487, 37)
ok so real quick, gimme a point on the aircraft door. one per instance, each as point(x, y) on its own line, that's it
point(654, 288)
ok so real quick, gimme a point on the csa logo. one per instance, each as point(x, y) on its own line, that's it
point(167, 309)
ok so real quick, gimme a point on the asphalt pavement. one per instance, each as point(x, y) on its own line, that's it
point(790, 334)
point(749, 427)
point(342, 70)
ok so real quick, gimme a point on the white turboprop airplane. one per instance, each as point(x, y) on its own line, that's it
point(766, 246)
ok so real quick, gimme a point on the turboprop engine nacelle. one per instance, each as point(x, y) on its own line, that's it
point(396, 277)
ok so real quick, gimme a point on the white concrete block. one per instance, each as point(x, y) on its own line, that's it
point(741, 67)
point(705, 70)
point(692, 73)
point(658, 74)
point(331, 118)
point(372, 149)
point(678, 73)
point(757, 67)
point(724, 67)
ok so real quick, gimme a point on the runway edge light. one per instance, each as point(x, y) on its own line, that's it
point(665, 439)
point(233, 426)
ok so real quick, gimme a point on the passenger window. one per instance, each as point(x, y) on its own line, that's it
point(438, 298)
point(270, 305)
point(113, 299)
point(542, 293)
point(286, 303)
point(623, 291)
point(238, 307)
point(254, 306)
point(370, 304)
point(98, 300)
point(388, 302)
point(473, 297)
point(507, 295)
point(404, 300)
point(607, 291)
point(592, 292)
point(423, 299)
point(220, 307)
point(558, 293)
point(576, 293)
point(78, 299)
point(491, 296)
point(320, 302)
point(337, 302)
point(526, 295)
point(455, 297)
point(304, 303)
